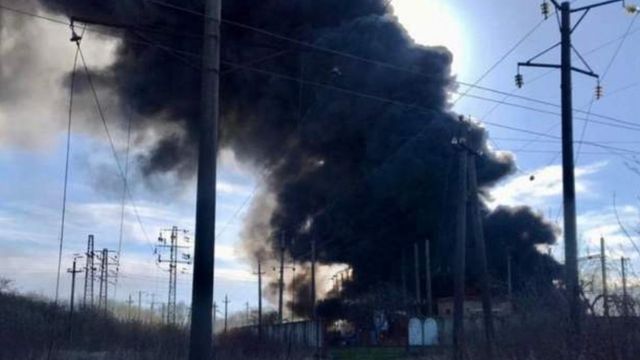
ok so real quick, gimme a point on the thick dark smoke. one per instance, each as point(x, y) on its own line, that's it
point(365, 178)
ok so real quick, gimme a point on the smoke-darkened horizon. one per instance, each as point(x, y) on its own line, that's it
point(364, 177)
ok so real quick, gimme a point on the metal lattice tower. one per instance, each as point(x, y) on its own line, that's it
point(174, 246)
point(105, 261)
point(89, 272)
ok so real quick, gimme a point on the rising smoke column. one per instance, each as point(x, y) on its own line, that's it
point(346, 170)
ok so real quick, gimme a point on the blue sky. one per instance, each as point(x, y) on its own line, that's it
point(32, 147)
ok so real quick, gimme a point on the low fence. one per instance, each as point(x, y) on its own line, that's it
point(299, 333)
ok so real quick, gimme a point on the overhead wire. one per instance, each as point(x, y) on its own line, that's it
point(501, 59)
point(112, 145)
point(123, 202)
point(602, 77)
point(335, 52)
point(66, 171)
point(348, 55)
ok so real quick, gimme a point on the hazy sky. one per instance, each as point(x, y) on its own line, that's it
point(32, 144)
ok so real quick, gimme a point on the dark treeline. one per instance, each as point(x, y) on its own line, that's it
point(30, 328)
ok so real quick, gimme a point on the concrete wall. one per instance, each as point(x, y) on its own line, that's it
point(299, 333)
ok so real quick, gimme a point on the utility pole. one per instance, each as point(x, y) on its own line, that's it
point(566, 67)
point(625, 308)
point(215, 312)
point(247, 313)
point(226, 305)
point(416, 263)
point(259, 273)
point(140, 306)
point(89, 272)
point(314, 311)
point(403, 277)
point(603, 267)
point(153, 311)
point(129, 305)
point(314, 259)
point(281, 280)
point(201, 339)
point(459, 257)
point(481, 253)
point(509, 281)
point(428, 294)
point(73, 271)
point(293, 293)
point(174, 247)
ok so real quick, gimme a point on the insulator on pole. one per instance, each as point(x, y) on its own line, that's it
point(599, 91)
point(74, 35)
point(632, 8)
point(546, 9)
point(519, 80)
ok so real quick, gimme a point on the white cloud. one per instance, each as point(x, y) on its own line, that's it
point(603, 223)
point(546, 186)
point(232, 188)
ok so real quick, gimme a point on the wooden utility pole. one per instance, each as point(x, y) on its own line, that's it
point(509, 281)
point(416, 269)
point(247, 313)
point(129, 305)
point(73, 271)
point(427, 265)
point(153, 310)
point(403, 277)
point(481, 254)
point(625, 308)
point(259, 273)
point(459, 258)
point(226, 308)
point(603, 268)
point(281, 281)
point(201, 334)
point(140, 306)
point(314, 310)
point(314, 259)
point(215, 313)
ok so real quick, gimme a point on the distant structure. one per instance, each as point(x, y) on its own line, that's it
point(89, 273)
point(106, 260)
point(174, 245)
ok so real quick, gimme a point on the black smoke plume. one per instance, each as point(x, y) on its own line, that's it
point(362, 176)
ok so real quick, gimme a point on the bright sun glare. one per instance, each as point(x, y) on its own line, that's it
point(431, 22)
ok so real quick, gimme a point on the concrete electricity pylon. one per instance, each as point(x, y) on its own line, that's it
point(568, 177)
point(201, 334)
point(427, 285)
point(89, 272)
point(226, 312)
point(468, 209)
point(73, 271)
point(176, 256)
point(259, 273)
point(625, 299)
point(281, 279)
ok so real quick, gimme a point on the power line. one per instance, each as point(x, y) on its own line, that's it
point(501, 59)
point(604, 74)
point(344, 54)
point(66, 170)
point(407, 105)
point(111, 143)
point(124, 198)
point(352, 92)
